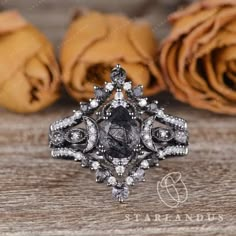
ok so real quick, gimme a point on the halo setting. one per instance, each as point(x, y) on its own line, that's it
point(118, 134)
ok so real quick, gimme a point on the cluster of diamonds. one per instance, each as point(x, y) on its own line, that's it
point(118, 134)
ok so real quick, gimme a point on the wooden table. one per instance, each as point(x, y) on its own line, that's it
point(42, 196)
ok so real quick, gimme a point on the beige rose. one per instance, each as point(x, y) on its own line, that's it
point(198, 58)
point(96, 42)
point(29, 78)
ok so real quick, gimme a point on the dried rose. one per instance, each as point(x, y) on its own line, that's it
point(198, 58)
point(29, 78)
point(96, 42)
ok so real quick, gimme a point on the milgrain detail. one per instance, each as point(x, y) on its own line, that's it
point(175, 121)
point(66, 152)
point(66, 122)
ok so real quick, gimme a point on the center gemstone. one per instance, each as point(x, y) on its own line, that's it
point(119, 134)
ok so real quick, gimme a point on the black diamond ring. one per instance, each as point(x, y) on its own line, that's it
point(118, 134)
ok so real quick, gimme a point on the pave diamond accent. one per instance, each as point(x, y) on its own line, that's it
point(120, 170)
point(62, 124)
point(109, 86)
point(66, 152)
point(127, 86)
point(94, 103)
point(77, 115)
point(95, 165)
point(144, 164)
point(129, 180)
point(175, 121)
point(78, 156)
point(112, 181)
point(84, 106)
point(142, 102)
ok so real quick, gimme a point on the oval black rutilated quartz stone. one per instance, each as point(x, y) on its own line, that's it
point(119, 134)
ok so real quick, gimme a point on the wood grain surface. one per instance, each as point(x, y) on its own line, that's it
point(42, 196)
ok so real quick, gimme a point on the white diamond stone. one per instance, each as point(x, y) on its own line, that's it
point(186, 151)
point(120, 170)
point(127, 86)
point(116, 161)
point(119, 95)
point(78, 156)
point(185, 125)
point(124, 161)
point(123, 103)
point(163, 133)
point(92, 130)
point(78, 114)
point(149, 143)
point(149, 122)
point(94, 103)
point(109, 86)
point(142, 102)
point(144, 164)
point(95, 165)
point(111, 180)
point(161, 154)
point(129, 180)
point(116, 103)
point(160, 113)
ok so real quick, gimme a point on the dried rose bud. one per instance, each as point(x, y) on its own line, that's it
point(29, 78)
point(198, 58)
point(96, 42)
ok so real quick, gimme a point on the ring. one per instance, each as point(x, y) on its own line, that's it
point(118, 134)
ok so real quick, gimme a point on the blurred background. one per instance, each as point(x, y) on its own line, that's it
point(53, 16)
